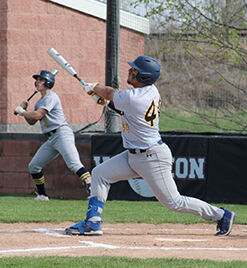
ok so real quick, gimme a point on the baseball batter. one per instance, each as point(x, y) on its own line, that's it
point(48, 110)
point(145, 156)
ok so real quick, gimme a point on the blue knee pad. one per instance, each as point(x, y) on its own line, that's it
point(95, 207)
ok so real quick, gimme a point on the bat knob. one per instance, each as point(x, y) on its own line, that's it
point(101, 101)
point(54, 72)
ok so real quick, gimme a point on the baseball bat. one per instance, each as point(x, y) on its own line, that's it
point(54, 72)
point(66, 66)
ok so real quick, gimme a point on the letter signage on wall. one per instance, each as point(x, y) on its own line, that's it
point(211, 168)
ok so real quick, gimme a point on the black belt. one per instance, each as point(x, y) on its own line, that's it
point(51, 132)
point(135, 151)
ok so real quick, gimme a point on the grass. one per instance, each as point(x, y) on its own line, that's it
point(25, 209)
point(174, 119)
point(113, 262)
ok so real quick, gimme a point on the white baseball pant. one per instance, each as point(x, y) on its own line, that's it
point(61, 142)
point(155, 167)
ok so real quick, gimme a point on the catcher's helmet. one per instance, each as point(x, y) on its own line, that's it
point(48, 76)
point(149, 69)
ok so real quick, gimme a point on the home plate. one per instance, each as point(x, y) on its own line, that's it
point(58, 232)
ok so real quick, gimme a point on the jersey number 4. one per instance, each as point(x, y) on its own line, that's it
point(151, 114)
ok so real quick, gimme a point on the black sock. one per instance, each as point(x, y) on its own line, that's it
point(81, 171)
point(84, 176)
point(39, 181)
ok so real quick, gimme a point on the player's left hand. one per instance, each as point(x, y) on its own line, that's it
point(19, 110)
point(103, 101)
point(24, 104)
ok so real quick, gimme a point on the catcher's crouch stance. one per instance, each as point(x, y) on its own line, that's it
point(145, 156)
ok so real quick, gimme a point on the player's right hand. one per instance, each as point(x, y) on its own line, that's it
point(19, 110)
point(24, 104)
point(89, 88)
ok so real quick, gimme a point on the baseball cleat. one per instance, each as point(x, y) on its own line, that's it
point(41, 197)
point(225, 224)
point(87, 228)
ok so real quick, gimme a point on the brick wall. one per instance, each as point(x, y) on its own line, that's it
point(28, 29)
point(17, 150)
point(3, 62)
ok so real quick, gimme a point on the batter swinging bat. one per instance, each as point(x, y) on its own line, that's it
point(65, 65)
point(54, 72)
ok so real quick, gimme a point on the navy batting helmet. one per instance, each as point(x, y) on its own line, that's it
point(149, 69)
point(48, 76)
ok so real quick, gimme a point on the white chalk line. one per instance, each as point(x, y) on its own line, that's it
point(90, 244)
point(40, 249)
point(101, 245)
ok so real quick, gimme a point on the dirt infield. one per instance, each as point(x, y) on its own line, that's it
point(131, 240)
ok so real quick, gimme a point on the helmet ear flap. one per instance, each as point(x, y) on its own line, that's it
point(149, 69)
point(143, 79)
point(48, 84)
point(133, 76)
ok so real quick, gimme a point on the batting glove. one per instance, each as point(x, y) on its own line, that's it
point(24, 104)
point(19, 110)
point(89, 88)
